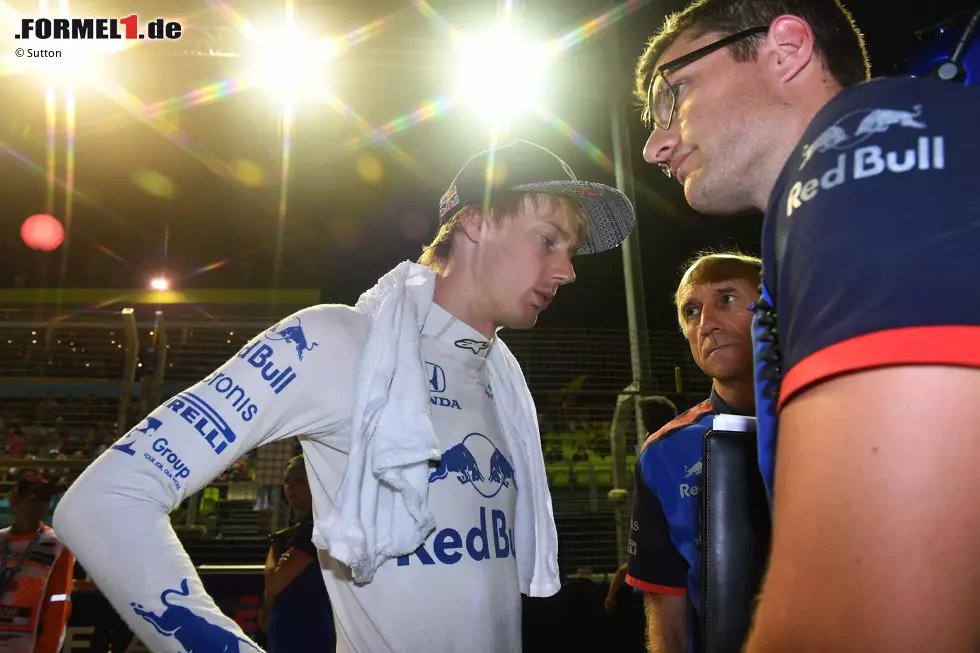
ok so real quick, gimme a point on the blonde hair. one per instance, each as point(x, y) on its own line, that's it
point(505, 205)
point(711, 267)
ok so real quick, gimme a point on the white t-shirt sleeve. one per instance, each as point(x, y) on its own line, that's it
point(114, 518)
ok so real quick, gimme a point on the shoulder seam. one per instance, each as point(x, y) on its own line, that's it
point(683, 420)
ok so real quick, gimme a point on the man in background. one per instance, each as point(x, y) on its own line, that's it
point(712, 302)
point(35, 572)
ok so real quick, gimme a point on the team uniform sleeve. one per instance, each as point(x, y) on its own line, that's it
point(115, 516)
point(653, 564)
point(877, 235)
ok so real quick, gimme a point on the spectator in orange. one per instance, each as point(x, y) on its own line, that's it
point(35, 572)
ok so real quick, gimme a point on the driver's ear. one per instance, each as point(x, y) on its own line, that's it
point(471, 223)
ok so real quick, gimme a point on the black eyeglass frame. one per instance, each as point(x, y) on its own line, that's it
point(649, 117)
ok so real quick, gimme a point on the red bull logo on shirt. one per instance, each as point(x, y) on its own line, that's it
point(291, 331)
point(449, 545)
point(477, 463)
point(193, 632)
point(460, 460)
point(926, 152)
point(872, 121)
point(261, 356)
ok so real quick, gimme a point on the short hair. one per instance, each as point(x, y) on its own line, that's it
point(710, 266)
point(836, 38)
point(656, 411)
point(504, 205)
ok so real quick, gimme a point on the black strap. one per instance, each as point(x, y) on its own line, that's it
point(7, 575)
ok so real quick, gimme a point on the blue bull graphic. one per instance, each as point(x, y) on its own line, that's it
point(458, 459)
point(292, 334)
point(464, 460)
point(501, 470)
point(195, 634)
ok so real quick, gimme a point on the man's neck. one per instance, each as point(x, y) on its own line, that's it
point(797, 119)
point(457, 296)
point(20, 528)
point(739, 394)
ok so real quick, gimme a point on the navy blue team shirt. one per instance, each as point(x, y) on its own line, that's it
point(302, 617)
point(871, 244)
point(665, 539)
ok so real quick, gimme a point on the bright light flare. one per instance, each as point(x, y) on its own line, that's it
point(159, 284)
point(291, 64)
point(500, 74)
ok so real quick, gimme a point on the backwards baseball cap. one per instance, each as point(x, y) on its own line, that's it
point(524, 167)
point(37, 486)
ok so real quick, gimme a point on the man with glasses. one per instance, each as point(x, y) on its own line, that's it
point(867, 335)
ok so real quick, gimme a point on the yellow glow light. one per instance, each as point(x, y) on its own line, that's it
point(159, 284)
point(500, 74)
point(291, 63)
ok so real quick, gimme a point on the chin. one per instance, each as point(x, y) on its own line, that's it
point(703, 199)
point(521, 321)
point(724, 365)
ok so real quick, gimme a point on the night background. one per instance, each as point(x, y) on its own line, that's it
point(178, 160)
point(219, 165)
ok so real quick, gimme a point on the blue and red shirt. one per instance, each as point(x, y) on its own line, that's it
point(870, 244)
point(665, 536)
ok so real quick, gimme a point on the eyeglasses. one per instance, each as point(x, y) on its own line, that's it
point(661, 96)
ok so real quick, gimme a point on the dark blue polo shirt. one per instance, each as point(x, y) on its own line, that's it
point(665, 537)
point(871, 244)
point(301, 618)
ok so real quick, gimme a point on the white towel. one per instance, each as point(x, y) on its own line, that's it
point(381, 509)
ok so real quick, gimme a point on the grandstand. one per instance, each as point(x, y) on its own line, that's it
point(70, 385)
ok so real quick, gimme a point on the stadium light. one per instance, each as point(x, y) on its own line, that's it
point(290, 63)
point(500, 74)
point(159, 284)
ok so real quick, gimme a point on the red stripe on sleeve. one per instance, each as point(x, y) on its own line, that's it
point(654, 589)
point(933, 345)
point(301, 552)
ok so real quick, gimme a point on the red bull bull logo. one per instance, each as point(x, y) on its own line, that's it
point(291, 331)
point(916, 154)
point(868, 122)
point(461, 463)
point(193, 632)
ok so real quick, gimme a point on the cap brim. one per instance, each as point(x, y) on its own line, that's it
point(608, 211)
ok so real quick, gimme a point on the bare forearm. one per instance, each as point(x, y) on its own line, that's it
point(666, 624)
point(288, 570)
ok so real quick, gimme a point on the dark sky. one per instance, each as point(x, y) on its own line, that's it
point(341, 231)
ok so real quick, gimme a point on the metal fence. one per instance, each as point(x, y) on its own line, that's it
point(71, 384)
